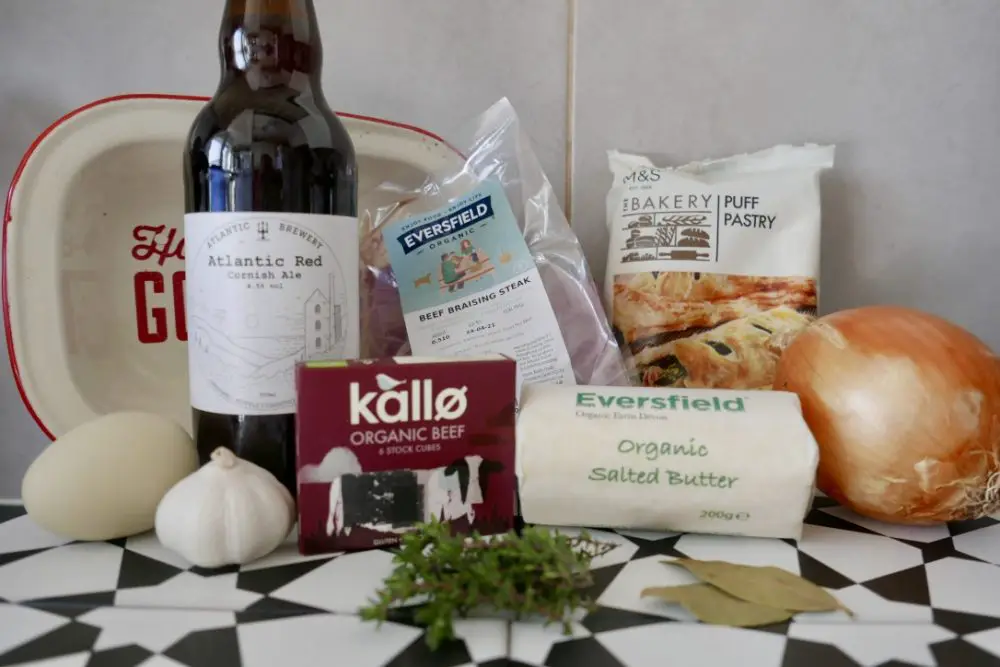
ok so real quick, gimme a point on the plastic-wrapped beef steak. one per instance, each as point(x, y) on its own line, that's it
point(481, 259)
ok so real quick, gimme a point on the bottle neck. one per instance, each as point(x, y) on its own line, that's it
point(267, 44)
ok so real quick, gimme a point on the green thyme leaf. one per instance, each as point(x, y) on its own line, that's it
point(538, 573)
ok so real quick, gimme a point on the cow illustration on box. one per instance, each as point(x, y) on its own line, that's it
point(396, 500)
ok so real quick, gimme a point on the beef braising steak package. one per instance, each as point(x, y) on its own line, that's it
point(480, 258)
point(384, 445)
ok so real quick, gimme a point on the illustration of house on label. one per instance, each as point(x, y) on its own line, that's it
point(324, 323)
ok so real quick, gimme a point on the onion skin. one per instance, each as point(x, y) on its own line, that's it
point(905, 407)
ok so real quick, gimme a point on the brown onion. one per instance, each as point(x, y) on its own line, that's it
point(905, 407)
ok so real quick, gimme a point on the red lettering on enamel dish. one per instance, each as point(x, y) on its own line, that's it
point(157, 242)
point(159, 295)
point(153, 320)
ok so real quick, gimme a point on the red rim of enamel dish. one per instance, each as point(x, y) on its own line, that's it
point(7, 218)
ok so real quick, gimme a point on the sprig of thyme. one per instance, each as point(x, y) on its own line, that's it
point(538, 573)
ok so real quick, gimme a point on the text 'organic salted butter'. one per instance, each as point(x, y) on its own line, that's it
point(708, 461)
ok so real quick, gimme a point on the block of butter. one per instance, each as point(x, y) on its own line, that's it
point(688, 460)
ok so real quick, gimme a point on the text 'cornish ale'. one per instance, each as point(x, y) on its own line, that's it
point(271, 234)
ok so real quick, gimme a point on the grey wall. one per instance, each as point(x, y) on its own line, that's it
point(909, 90)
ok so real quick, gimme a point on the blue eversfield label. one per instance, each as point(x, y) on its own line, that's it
point(453, 223)
point(469, 285)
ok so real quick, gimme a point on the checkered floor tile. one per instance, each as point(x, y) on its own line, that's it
point(922, 596)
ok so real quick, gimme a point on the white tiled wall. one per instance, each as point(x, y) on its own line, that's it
point(909, 90)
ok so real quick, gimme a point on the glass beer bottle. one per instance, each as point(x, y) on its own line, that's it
point(271, 235)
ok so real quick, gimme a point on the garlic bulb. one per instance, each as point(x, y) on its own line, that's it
point(228, 512)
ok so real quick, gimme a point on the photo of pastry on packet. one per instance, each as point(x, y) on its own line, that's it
point(713, 267)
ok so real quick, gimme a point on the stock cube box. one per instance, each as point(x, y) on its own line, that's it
point(385, 444)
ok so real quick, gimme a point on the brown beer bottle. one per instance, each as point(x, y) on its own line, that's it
point(271, 235)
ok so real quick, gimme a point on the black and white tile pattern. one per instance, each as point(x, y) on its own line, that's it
point(922, 596)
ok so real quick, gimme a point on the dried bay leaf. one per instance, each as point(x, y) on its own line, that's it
point(764, 585)
point(710, 605)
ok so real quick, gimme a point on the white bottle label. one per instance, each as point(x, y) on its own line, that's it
point(265, 291)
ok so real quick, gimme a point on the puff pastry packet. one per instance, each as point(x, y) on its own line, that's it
point(713, 266)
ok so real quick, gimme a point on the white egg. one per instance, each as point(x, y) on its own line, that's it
point(104, 479)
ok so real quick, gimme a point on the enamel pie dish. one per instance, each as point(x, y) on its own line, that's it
point(93, 271)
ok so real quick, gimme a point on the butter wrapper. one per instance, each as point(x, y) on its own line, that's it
point(695, 460)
